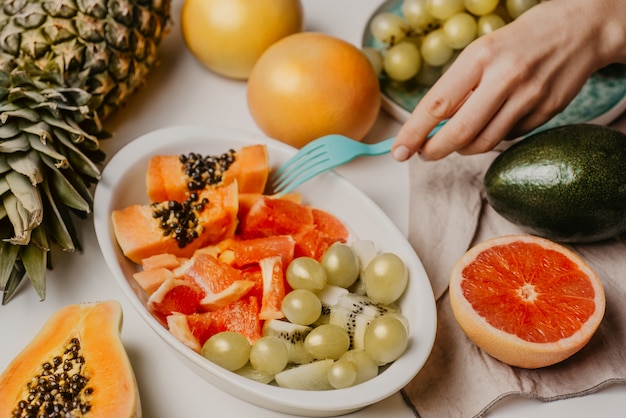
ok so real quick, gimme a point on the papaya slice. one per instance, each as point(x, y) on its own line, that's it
point(140, 234)
point(164, 260)
point(250, 169)
point(76, 361)
point(151, 280)
point(167, 177)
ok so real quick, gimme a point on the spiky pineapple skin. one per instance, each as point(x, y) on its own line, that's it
point(64, 66)
point(106, 47)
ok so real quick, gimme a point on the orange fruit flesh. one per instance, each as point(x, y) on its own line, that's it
point(546, 299)
point(525, 300)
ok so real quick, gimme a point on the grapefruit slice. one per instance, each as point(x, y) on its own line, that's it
point(241, 316)
point(268, 216)
point(525, 300)
point(253, 250)
point(174, 295)
point(312, 243)
point(330, 225)
point(164, 260)
point(221, 283)
point(178, 325)
point(199, 325)
point(247, 200)
point(273, 288)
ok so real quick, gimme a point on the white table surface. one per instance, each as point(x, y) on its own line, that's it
point(180, 91)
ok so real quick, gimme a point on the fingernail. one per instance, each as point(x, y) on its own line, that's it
point(401, 153)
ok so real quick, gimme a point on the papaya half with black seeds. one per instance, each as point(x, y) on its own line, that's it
point(75, 366)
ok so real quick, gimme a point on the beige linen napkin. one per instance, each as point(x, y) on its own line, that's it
point(448, 215)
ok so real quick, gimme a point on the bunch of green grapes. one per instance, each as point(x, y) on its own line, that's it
point(420, 43)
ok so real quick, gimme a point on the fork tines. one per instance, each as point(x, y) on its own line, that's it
point(313, 154)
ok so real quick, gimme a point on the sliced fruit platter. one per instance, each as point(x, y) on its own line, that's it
point(325, 220)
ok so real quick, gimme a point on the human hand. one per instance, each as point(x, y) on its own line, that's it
point(508, 82)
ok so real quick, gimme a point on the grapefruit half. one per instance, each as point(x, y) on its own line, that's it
point(526, 301)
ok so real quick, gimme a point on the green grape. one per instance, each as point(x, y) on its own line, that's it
point(269, 355)
point(385, 278)
point(342, 374)
point(488, 23)
point(435, 49)
point(327, 341)
point(481, 7)
point(375, 57)
point(503, 12)
point(385, 339)
point(402, 61)
point(301, 306)
point(416, 14)
point(443, 9)
point(306, 273)
point(388, 28)
point(341, 264)
point(460, 30)
point(428, 75)
point(516, 7)
point(448, 64)
point(227, 349)
point(366, 369)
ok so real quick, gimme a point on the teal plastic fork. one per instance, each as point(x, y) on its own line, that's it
point(324, 154)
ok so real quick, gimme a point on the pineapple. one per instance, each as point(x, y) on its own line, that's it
point(65, 65)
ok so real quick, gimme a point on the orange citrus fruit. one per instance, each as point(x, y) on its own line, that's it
point(525, 300)
point(228, 36)
point(311, 84)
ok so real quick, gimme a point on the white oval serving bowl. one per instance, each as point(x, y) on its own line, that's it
point(123, 183)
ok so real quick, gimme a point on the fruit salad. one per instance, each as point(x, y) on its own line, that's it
point(268, 287)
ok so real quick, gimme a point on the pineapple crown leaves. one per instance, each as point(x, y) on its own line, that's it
point(64, 66)
point(104, 47)
point(49, 155)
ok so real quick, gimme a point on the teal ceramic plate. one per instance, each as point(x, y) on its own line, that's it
point(601, 100)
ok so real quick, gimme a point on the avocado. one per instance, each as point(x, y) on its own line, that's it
point(566, 184)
